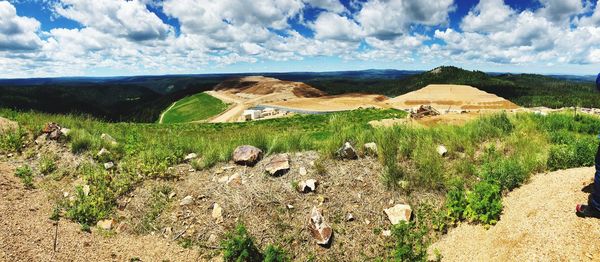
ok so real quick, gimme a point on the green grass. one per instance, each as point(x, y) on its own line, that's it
point(196, 107)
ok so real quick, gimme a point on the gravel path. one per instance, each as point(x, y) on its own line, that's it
point(538, 224)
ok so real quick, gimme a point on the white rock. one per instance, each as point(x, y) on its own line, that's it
point(398, 213)
point(106, 224)
point(441, 149)
point(65, 131)
point(386, 233)
point(109, 165)
point(349, 217)
point(65, 194)
point(217, 213)
point(290, 206)
point(371, 149)
point(190, 156)
point(309, 185)
point(223, 179)
point(212, 238)
point(188, 200)
point(302, 171)
point(108, 138)
point(86, 190)
point(172, 195)
point(103, 152)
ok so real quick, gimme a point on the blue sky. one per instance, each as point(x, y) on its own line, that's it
point(117, 37)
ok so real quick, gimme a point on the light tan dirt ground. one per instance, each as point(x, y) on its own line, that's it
point(454, 97)
point(538, 224)
point(27, 233)
point(335, 103)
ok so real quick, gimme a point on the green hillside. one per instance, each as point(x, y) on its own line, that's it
point(196, 107)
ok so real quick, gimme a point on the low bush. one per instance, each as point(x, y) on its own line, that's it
point(484, 203)
point(275, 254)
point(26, 175)
point(506, 173)
point(456, 203)
point(81, 141)
point(47, 164)
point(579, 152)
point(410, 242)
point(238, 246)
point(12, 141)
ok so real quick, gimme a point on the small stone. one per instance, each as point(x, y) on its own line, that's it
point(106, 224)
point(86, 190)
point(347, 152)
point(278, 165)
point(371, 149)
point(367, 222)
point(398, 213)
point(10, 155)
point(307, 186)
point(109, 165)
point(190, 156)
point(217, 213)
point(223, 179)
point(65, 194)
point(386, 233)
point(212, 238)
point(65, 131)
point(442, 150)
point(103, 152)
point(319, 229)
point(172, 195)
point(302, 171)
point(188, 200)
point(290, 206)
point(234, 180)
point(391, 202)
point(108, 138)
point(349, 217)
point(311, 163)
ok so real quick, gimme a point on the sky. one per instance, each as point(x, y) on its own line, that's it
point(53, 38)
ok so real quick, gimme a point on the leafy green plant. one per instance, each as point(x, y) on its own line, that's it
point(507, 173)
point(238, 246)
point(26, 175)
point(484, 203)
point(12, 141)
point(410, 242)
point(275, 254)
point(456, 203)
point(47, 164)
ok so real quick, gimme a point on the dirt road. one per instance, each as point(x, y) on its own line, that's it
point(538, 224)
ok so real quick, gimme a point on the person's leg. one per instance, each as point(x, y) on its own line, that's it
point(595, 199)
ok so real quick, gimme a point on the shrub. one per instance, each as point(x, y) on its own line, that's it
point(410, 242)
point(577, 153)
point(47, 164)
point(507, 173)
point(98, 203)
point(456, 203)
point(81, 141)
point(275, 254)
point(238, 246)
point(12, 141)
point(26, 175)
point(484, 203)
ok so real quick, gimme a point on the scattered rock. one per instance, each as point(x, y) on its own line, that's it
point(109, 139)
point(234, 180)
point(247, 155)
point(65, 194)
point(349, 217)
point(65, 131)
point(86, 190)
point(106, 224)
point(442, 150)
point(212, 239)
point(217, 213)
point(109, 165)
point(290, 206)
point(52, 130)
point(302, 171)
point(188, 200)
point(347, 152)
point(190, 156)
point(319, 229)
point(103, 152)
point(371, 149)
point(307, 186)
point(278, 165)
point(398, 213)
point(386, 233)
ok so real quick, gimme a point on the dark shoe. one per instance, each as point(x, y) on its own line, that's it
point(587, 211)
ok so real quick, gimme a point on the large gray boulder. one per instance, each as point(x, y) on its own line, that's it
point(278, 165)
point(247, 155)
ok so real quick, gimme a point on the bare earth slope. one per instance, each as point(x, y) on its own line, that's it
point(538, 224)
point(28, 234)
point(451, 96)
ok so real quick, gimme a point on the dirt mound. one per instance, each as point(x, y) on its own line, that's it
point(7, 125)
point(259, 85)
point(335, 103)
point(538, 224)
point(452, 97)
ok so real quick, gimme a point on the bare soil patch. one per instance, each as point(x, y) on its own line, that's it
point(538, 224)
